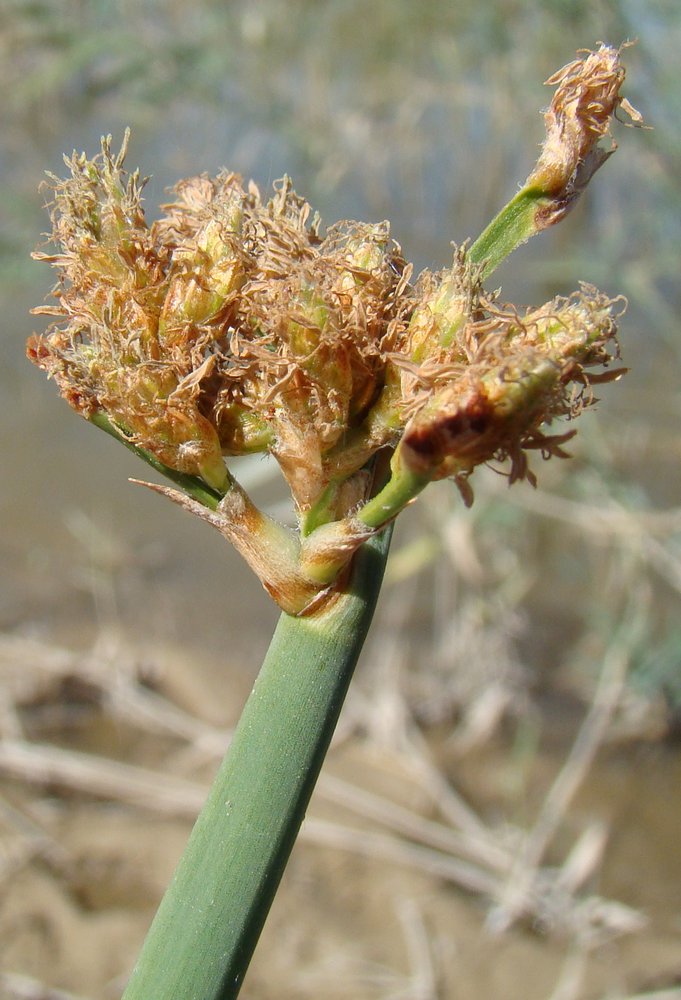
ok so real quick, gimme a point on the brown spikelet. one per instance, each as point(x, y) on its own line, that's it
point(578, 118)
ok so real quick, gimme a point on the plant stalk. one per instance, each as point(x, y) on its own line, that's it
point(515, 224)
point(202, 938)
point(192, 485)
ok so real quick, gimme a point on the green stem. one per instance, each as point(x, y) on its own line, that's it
point(514, 225)
point(322, 512)
point(192, 485)
point(203, 936)
point(402, 487)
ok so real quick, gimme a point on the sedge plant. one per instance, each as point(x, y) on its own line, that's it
point(235, 325)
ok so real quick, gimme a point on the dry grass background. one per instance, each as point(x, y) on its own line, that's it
point(498, 816)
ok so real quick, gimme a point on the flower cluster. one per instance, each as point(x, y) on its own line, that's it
point(227, 327)
point(230, 326)
point(234, 324)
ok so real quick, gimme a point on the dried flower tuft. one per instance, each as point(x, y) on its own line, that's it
point(519, 374)
point(579, 116)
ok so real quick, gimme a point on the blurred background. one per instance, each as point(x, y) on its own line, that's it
point(499, 814)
